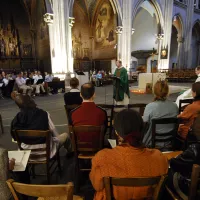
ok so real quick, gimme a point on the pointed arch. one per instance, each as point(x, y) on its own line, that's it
point(48, 6)
point(158, 12)
point(196, 28)
point(179, 25)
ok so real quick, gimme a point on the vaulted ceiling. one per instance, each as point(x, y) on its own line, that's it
point(88, 6)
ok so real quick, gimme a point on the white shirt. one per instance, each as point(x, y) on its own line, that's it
point(20, 81)
point(36, 78)
point(6, 81)
point(54, 143)
point(198, 79)
point(48, 78)
point(74, 90)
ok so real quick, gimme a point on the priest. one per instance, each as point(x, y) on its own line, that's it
point(121, 92)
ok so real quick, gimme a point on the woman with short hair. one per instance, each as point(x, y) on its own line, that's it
point(73, 96)
point(160, 108)
point(129, 159)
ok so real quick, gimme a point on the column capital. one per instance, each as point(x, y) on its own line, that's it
point(48, 18)
point(180, 40)
point(160, 36)
point(71, 21)
point(132, 31)
point(119, 30)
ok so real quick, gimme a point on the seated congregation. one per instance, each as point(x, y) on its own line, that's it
point(156, 156)
point(29, 82)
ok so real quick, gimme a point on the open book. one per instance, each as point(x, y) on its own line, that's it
point(21, 159)
point(113, 143)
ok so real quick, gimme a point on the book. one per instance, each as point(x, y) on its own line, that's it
point(21, 159)
point(113, 143)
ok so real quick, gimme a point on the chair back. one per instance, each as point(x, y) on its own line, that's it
point(141, 107)
point(194, 182)
point(38, 137)
point(164, 137)
point(118, 108)
point(195, 128)
point(63, 192)
point(68, 109)
point(184, 101)
point(109, 110)
point(109, 182)
point(87, 138)
point(4, 172)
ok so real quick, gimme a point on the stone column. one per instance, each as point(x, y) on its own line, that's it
point(70, 50)
point(160, 38)
point(33, 38)
point(188, 35)
point(118, 31)
point(59, 37)
point(126, 34)
point(180, 63)
point(198, 61)
point(167, 7)
point(48, 18)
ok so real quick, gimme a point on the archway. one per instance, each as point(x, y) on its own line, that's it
point(147, 24)
point(176, 60)
point(174, 48)
point(195, 44)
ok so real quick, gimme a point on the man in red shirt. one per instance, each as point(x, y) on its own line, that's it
point(88, 113)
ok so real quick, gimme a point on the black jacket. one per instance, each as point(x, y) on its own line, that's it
point(184, 162)
point(30, 119)
point(71, 98)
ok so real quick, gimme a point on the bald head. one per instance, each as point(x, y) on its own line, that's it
point(118, 63)
point(87, 91)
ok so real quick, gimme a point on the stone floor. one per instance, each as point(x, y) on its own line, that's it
point(54, 104)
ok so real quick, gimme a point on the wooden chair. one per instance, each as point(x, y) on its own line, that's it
point(85, 150)
point(109, 182)
point(109, 110)
point(118, 108)
point(33, 135)
point(44, 192)
point(68, 109)
point(167, 137)
point(1, 124)
point(193, 188)
point(184, 101)
point(141, 107)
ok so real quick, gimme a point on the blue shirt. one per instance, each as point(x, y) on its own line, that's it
point(159, 110)
point(99, 76)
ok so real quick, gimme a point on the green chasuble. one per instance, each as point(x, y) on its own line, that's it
point(121, 85)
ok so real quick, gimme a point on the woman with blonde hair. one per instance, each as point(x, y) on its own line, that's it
point(160, 108)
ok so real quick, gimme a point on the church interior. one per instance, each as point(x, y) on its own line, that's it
point(99, 99)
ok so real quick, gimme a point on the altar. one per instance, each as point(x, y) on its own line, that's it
point(151, 78)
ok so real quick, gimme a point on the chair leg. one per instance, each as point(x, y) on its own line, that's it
point(33, 171)
point(59, 165)
point(77, 177)
point(1, 124)
point(48, 173)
